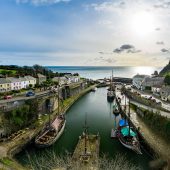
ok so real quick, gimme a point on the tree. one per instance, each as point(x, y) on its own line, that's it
point(167, 79)
point(155, 73)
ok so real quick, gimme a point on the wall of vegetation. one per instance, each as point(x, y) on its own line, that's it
point(159, 124)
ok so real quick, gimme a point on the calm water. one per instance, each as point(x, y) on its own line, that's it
point(99, 119)
point(96, 72)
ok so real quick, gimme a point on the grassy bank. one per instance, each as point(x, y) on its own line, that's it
point(49, 161)
point(155, 129)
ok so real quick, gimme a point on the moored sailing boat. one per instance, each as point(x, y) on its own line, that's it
point(86, 153)
point(127, 135)
point(111, 92)
point(51, 133)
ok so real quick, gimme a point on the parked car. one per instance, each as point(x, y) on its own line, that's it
point(30, 93)
point(7, 97)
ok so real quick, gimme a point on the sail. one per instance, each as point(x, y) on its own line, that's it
point(56, 123)
point(125, 131)
point(123, 122)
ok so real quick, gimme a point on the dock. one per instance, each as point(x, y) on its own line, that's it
point(86, 153)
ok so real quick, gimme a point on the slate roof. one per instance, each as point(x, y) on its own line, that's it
point(4, 81)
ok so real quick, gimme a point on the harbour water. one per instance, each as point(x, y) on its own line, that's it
point(97, 72)
point(99, 119)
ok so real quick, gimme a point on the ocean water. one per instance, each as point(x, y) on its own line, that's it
point(97, 72)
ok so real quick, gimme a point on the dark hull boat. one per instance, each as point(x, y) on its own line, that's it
point(128, 137)
point(116, 110)
point(110, 96)
point(51, 133)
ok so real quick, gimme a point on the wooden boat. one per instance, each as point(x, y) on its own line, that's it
point(127, 135)
point(86, 153)
point(128, 138)
point(51, 133)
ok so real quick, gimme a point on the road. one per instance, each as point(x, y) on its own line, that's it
point(122, 97)
point(19, 98)
point(146, 95)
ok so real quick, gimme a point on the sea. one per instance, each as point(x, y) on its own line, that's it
point(100, 72)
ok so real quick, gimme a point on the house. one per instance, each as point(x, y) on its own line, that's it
point(41, 78)
point(15, 83)
point(138, 79)
point(149, 82)
point(156, 89)
point(24, 82)
point(72, 79)
point(165, 93)
point(62, 80)
point(5, 85)
point(31, 80)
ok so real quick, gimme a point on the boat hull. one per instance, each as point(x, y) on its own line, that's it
point(54, 140)
point(135, 148)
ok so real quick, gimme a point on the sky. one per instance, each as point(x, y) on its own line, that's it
point(85, 32)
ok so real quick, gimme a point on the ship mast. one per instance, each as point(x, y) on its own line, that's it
point(85, 131)
point(129, 117)
point(58, 95)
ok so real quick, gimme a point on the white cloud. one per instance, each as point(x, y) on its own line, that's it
point(41, 2)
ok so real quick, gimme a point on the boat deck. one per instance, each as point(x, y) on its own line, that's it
point(90, 159)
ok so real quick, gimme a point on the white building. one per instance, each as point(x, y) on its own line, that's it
point(72, 79)
point(62, 80)
point(15, 83)
point(24, 82)
point(31, 80)
point(150, 82)
point(165, 93)
point(138, 80)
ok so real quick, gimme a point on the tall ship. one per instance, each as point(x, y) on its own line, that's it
point(52, 132)
point(127, 135)
point(86, 153)
point(111, 91)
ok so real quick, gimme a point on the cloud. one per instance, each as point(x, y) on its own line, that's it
point(40, 2)
point(127, 48)
point(164, 50)
point(157, 29)
point(106, 6)
point(160, 43)
point(163, 5)
point(103, 53)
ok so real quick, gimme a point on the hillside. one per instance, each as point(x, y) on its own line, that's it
point(166, 70)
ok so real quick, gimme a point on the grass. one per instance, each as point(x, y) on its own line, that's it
point(12, 71)
point(6, 161)
point(50, 161)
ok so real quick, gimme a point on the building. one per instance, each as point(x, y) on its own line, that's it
point(31, 80)
point(15, 83)
point(72, 79)
point(62, 80)
point(149, 82)
point(137, 80)
point(24, 82)
point(165, 93)
point(156, 89)
point(5, 85)
point(41, 78)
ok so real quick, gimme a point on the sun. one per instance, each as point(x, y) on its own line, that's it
point(142, 23)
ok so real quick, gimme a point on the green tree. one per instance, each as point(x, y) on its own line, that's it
point(167, 79)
